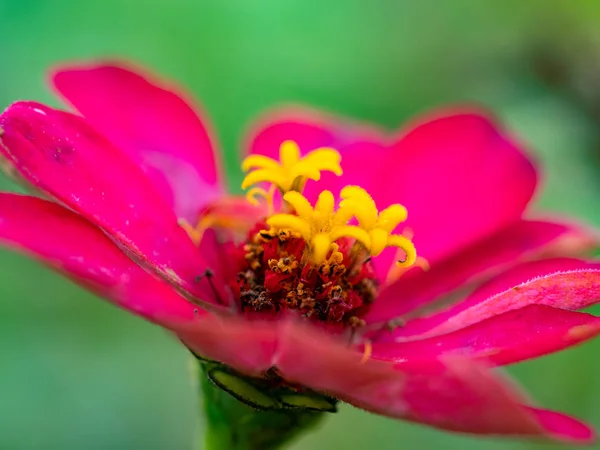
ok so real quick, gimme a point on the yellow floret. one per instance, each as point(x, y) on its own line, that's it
point(292, 171)
point(320, 226)
point(379, 225)
point(357, 216)
point(317, 225)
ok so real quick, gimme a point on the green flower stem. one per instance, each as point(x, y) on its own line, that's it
point(232, 425)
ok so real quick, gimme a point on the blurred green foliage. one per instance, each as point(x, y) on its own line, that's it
point(79, 374)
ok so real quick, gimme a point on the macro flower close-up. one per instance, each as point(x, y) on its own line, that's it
point(391, 270)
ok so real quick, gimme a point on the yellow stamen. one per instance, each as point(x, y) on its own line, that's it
point(316, 225)
point(321, 243)
point(230, 214)
point(259, 162)
point(391, 216)
point(397, 240)
point(257, 192)
point(289, 154)
point(194, 234)
point(367, 352)
point(321, 225)
point(325, 204)
point(293, 171)
point(351, 231)
point(358, 203)
point(209, 220)
point(397, 271)
point(300, 204)
point(291, 222)
point(361, 204)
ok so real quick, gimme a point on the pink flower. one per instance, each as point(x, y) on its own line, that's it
point(310, 294)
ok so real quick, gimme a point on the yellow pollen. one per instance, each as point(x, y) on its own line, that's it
point(292, 171)
point(320, 226)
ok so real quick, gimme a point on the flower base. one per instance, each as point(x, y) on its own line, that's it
point(242, 416)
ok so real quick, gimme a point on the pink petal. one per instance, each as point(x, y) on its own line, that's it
point(561, 283)
point(460, 177)
point(247, 346)
point(72, 245)
point(60, 154)
point(454, 393)
point(461, 396)
point(507, 338)
point(218, 255)
point(524, 240)
point(564, 428)
point(154, 124)
point(233, 216)
point(313, 129)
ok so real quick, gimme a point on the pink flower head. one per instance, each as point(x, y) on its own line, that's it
point(324, 278)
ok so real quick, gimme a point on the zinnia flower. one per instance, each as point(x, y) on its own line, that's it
point(391, 272)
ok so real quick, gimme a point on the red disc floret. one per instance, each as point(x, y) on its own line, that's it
point(279, 275)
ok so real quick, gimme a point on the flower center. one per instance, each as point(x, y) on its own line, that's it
point(279, 277)
point(315, 259)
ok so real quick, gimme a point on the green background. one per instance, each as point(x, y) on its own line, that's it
point(77, 373)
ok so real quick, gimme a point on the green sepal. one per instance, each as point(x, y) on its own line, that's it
point(308, 401)
point(241, 389)
point(202, 359)
point(244, 413)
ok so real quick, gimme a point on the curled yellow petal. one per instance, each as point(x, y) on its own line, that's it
point(320, 243)
point(379, 241)
point(304, 169)
point(391, 216)
point(291, 171)
point(300, 204)
point(259, 162)
point(352, 232)
point(291, 222)
point(396, 240)
point(325, 203)
point(289, 154)
point(263, 175)
point(362, 205)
